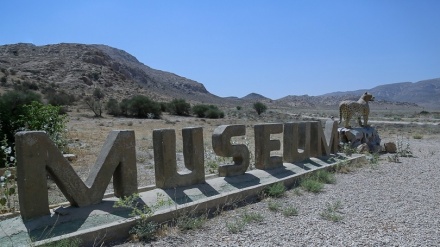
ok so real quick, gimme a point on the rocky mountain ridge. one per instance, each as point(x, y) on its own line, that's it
point(424, 93)
point(78, 69)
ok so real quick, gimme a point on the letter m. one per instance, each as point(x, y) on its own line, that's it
point(36, 155)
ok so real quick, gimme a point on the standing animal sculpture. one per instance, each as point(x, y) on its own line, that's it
point(350, 108)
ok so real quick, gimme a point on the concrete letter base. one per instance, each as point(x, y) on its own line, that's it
point(221, 143)
point(36, 154)
point(164, 141)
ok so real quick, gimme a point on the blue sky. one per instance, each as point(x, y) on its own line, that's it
point(236, 47)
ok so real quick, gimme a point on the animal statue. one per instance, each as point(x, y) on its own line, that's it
point(349, 108)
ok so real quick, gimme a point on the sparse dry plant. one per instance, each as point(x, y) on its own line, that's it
point(273, 205)
point(290, 211)
point(332, 212)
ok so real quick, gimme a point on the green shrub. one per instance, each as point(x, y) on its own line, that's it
point(290, 211)
point(235, 226)
point(190, 222)
point(324, 176)
point(11, 108)
point(60, 98)
point(248, 217)
point(179, 107)
point(113, 107)
point(142, 107)
point(260, 108)
point(312, 185)
point(275, 190)
point(123, 106)
point(331, 213)
point(207, 111)
point(37, 116)
point(274, 206)
point(214, 113)
point(199, 110)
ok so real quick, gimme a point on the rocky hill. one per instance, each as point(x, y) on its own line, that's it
point(78, 69)
point(424, 93)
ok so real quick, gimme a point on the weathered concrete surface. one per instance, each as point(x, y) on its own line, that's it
point(264, 145)
point(103, 222)
point(165, 164)
point(36, 155)
point(221, 144)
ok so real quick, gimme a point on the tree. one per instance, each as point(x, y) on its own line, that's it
point(113, 107)
point(199, 110)
point(94, 102)
point(208, 111)
point(123, 106)
point(22, 110)
point(11, 107)
point(37, 116)
point(142, 107)
point(260, 107)
point(179, 107)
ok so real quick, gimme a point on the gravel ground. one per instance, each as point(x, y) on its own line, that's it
point(389, 204)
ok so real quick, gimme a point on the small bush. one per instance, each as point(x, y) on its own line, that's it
point(252, 217)
point(190, 222)
point(214, 113)
point(199, 110)
point(235, 226)
point(275, 190)
point(324, 176)
point(179, 107)
point(47, 118)
point(144, 229)
point(69, 242)
point(142, 107)
point(290, 211)
point(331, 213)
point(274, 206)
point(113, 107)
point(312, 185)
point(260, 108)
point(207, 111)
point(11, 108)
point(60, 98)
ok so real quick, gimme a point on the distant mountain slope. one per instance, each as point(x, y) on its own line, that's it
point(79, 68)
point(424, 93)
point(255, 97)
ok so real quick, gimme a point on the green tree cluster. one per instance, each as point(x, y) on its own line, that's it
point(23, 110)
point(207, 111)
point(179, 107)
point(139, 106)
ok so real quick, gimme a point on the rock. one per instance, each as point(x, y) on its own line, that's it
point(363, 148)
point(357, 137)
point(390, 147)
point(70, 157)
